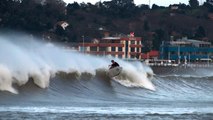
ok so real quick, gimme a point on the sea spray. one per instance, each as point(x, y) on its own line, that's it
point(23, 57)
point(134, 75)
point(6, 80)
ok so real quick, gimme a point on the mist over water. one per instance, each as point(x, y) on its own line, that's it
point(23, 57)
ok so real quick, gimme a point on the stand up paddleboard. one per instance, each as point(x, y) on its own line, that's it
point(115, 71)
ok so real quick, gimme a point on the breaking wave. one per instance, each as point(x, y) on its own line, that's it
point(24, 58)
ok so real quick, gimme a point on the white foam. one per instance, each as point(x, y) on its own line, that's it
point(6, 80)
point(111, 110)
point(134, 75)
point(23, 57)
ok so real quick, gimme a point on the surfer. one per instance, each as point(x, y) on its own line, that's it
point(114, 64)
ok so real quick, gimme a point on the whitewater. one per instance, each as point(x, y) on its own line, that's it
point(43, 80)
point(24, 57)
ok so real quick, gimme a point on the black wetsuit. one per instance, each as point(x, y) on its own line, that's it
point(115, 64)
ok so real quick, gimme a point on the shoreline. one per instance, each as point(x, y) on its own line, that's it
point(173, 63)
point(183, 69)
point(200, 65)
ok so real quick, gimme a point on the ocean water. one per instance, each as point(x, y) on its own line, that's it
point(43, 81)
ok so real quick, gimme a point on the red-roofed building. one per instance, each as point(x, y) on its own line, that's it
point(120, 47)
point(150, 55)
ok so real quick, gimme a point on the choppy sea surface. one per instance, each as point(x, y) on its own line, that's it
point(176, 97)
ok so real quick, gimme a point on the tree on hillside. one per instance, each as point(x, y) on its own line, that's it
point(208, 6)
point(72, 7)
point(123, 3)
point(182, 6)
point(154, 7)
point(158, 38)
point(200, 32)
point(194, 3)
point(146, 26)
point(120, 8)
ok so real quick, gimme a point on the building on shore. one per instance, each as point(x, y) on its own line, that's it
point(153, 54)
point(124, 47)
point(186, 50)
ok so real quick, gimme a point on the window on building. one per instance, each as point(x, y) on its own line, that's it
point(93, 48)
point(173, 53)
point(82, 49)
point(102, 49)
point(126, 48)
point(204, 45)
point(119, 48)
point(132, 49)
point(115, 41)
point(132, 42)
point(113, 49)
point(138, 50)
point(138, 42)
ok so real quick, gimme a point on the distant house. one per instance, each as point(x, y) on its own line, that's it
point(185, 48)
point(100, 28)
point(63, 24)
point(126, 47)
point(150, 55)
point(174, 7)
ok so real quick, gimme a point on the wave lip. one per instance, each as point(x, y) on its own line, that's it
point(134, 78)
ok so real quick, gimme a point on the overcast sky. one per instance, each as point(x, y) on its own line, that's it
point(137, 2)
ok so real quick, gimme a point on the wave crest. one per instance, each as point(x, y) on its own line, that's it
point(29, 59)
